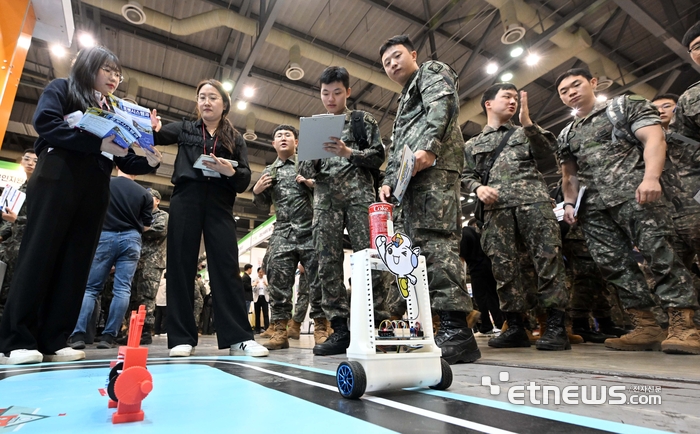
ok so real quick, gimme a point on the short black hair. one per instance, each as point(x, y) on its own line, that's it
point(397, 40)
point(29, 151)
point(259, 268)
point(285, 127)
point(335, 73)
point(671, 96)
point(574, 72)
point(492, 91)
point(247, 267)
point(692, 33)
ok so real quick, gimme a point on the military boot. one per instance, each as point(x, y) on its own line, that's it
point(146, 337)
point(683, 337)
point(514, 335)
point(606, 326)
point(554, 337)
point(269, 332)
point(574, 339)
point(582, 328)
point(456, 339)
point(647, 335)
point(320, 330)
point(336, 343)
point(278, 340)
point(473, 318)
point(294, 329)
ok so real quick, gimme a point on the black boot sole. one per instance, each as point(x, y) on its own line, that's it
point(523, 344)
point(464, 357)
point(552, 347)
point(319, 350)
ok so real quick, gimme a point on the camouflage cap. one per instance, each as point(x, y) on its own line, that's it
point(154, 192)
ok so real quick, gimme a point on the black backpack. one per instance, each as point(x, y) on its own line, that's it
point(357, 124)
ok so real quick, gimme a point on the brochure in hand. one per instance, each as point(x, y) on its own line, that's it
point(408, 161)
point(12, 199)
point(208, 172)
point(129, 123)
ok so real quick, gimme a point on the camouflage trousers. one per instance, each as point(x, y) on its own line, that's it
point(198, 305)
point(144, 288)
point(509, 237)
point(432, 220)
point(304, 296)
point(611, 232)
point(687, 244)
point(328, 228)
point(9, 257)
point(283, 256)
point(589, 291)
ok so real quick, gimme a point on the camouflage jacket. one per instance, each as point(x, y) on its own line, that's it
point(686, 121)
point(427, 119)
point(293, 201)
point(154, 241)
point(347, 179)
point(611, 169)
point(514, 173)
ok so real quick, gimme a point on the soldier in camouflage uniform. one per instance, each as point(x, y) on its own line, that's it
point(291, 241)
point(621, 207)
point(149, 270)
point(427, 122)
point(13, 229)
point(344, 190)
point(517, 205)
point(200, 291)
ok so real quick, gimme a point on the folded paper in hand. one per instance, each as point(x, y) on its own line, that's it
point(199, 164)
point(559, 209)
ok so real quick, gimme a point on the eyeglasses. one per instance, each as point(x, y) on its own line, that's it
point(30, 159)
point(695, 49)
point(113, 73)
point(210, 98)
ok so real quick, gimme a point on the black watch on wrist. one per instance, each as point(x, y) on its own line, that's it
point(569, 203)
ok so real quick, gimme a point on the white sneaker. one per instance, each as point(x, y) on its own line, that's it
point(66, 354)
point(249, 348)
point(21, 357)
point(183, 350)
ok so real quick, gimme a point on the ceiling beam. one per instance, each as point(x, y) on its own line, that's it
point(268, 18)
point(650, 23)
point(480, 45)
point(572, 17)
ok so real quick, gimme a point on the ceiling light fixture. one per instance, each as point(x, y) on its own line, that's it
point(508, 76)
point(86, 40)
point(241, 105)
point(601, 98)
point(532, 59)
point(516, 52)
point(492, 68)
point(58, 50)
point(249, 92)
point(228, 86)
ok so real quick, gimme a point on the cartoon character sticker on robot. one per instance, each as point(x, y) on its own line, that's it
point(399, 258)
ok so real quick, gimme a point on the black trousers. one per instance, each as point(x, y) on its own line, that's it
point(198, 208)
point(161, 320)
point(261, 310)
point(486, 297)
point(67, 198)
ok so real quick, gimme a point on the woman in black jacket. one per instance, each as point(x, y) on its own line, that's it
point(202, 203)
point(67, 199)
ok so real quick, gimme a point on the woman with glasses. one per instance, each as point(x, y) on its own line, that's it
point(67, 199)
point(202, 203)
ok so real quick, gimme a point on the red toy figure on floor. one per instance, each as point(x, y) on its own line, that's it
point(129, 380)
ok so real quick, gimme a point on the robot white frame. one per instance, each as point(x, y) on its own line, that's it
point(368, 371)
